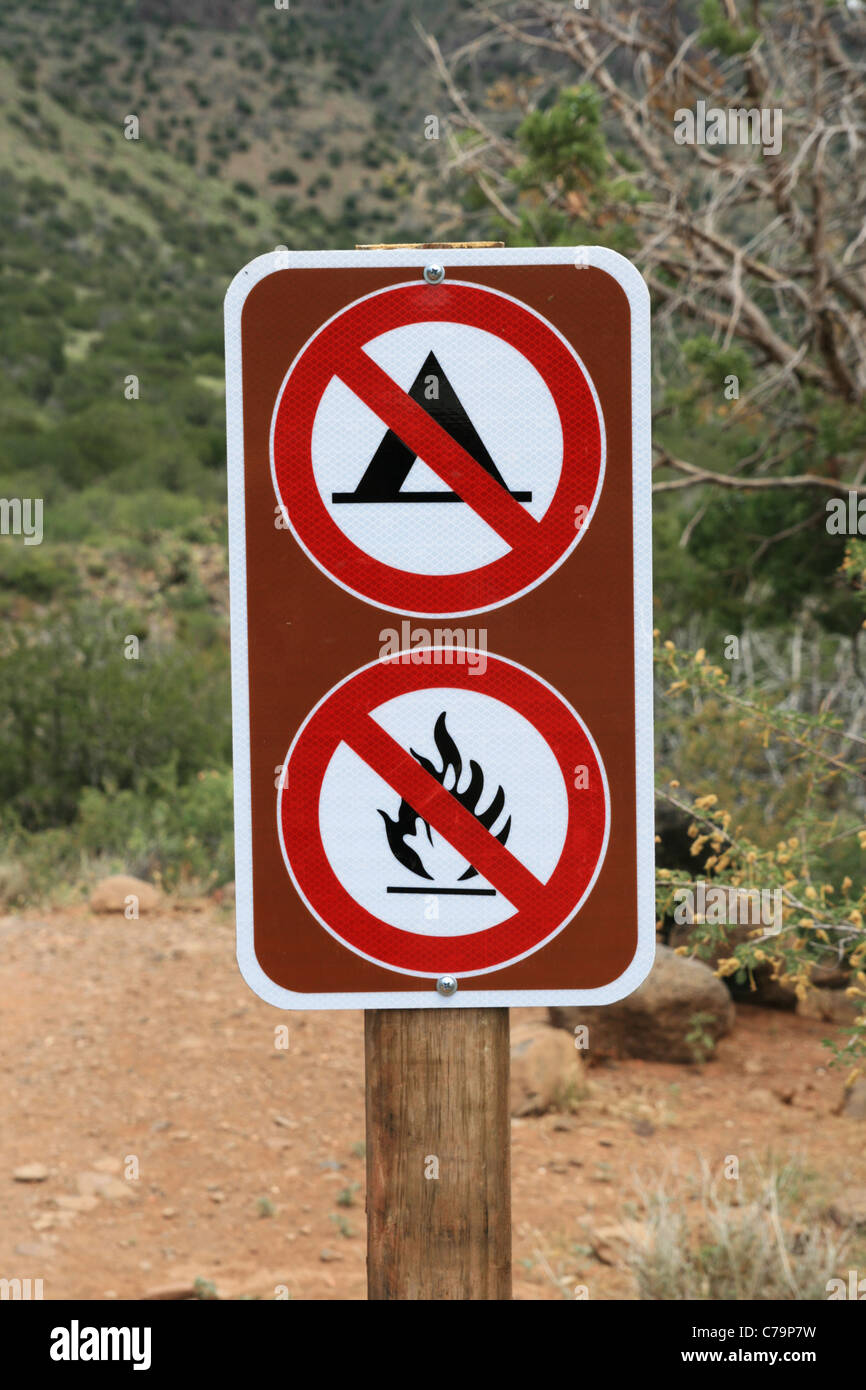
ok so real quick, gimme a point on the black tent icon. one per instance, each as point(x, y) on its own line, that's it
point(390, 466)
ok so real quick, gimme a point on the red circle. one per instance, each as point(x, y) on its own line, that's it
point(543, 913)
point(523, 565)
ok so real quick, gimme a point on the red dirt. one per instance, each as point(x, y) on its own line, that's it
point(139, 1038)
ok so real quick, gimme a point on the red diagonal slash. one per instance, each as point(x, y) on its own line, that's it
point(420, 432)
point(428, 798)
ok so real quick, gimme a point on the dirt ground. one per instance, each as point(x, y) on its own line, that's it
point(136, 1046)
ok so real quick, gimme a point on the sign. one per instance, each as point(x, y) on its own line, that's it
point(441, 627)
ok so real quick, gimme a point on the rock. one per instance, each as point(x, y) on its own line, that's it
point(655, 1021)
point(77, 1204)
point(767, 993)
point(123, 894)
point(31, 1172)
point(849, 1209)
point(611, 1245)
point(674, 843)
point(674, 848)
point(828, 1005)
point(854, 1101)
point(36, 1249)
point(760, 1098)
point(327, 1256)
point(109, 1164)
point(169, 1293)
point(103, 1185)
point(546, 1070)
point(833, 976)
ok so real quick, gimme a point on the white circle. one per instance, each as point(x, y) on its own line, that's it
point(511, 753)
point(513, 412)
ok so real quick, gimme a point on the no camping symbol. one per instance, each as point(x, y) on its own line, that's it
point(440, 818)
point(437, 449)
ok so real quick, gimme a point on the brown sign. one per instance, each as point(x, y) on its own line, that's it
point(441, 626)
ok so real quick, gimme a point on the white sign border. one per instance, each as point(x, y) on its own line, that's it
point(634, 287)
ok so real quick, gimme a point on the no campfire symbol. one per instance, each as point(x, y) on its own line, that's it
point(419, 395)
point(432, 820)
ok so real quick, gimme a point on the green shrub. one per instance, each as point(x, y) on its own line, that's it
point(75, 713)
point(173, 832)
point(35, 572)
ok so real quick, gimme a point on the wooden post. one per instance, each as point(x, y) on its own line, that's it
point(438, 1154)
point(438, 1138)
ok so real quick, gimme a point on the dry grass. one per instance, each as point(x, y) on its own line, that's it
point(732, 1240)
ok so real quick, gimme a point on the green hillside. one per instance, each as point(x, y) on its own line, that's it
point(256, 127)
point(118, 251)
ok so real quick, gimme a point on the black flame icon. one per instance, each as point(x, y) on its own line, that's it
point(403, 825)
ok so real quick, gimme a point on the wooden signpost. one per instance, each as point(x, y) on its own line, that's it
point(441, 666)
point(438, 1154)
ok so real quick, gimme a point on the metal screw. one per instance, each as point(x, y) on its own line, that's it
point(434, 275)
point(446, 984)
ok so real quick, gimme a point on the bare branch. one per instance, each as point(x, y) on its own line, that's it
point(697, 476)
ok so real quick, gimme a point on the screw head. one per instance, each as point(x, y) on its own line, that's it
point(447, 985)
point(434, 274)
